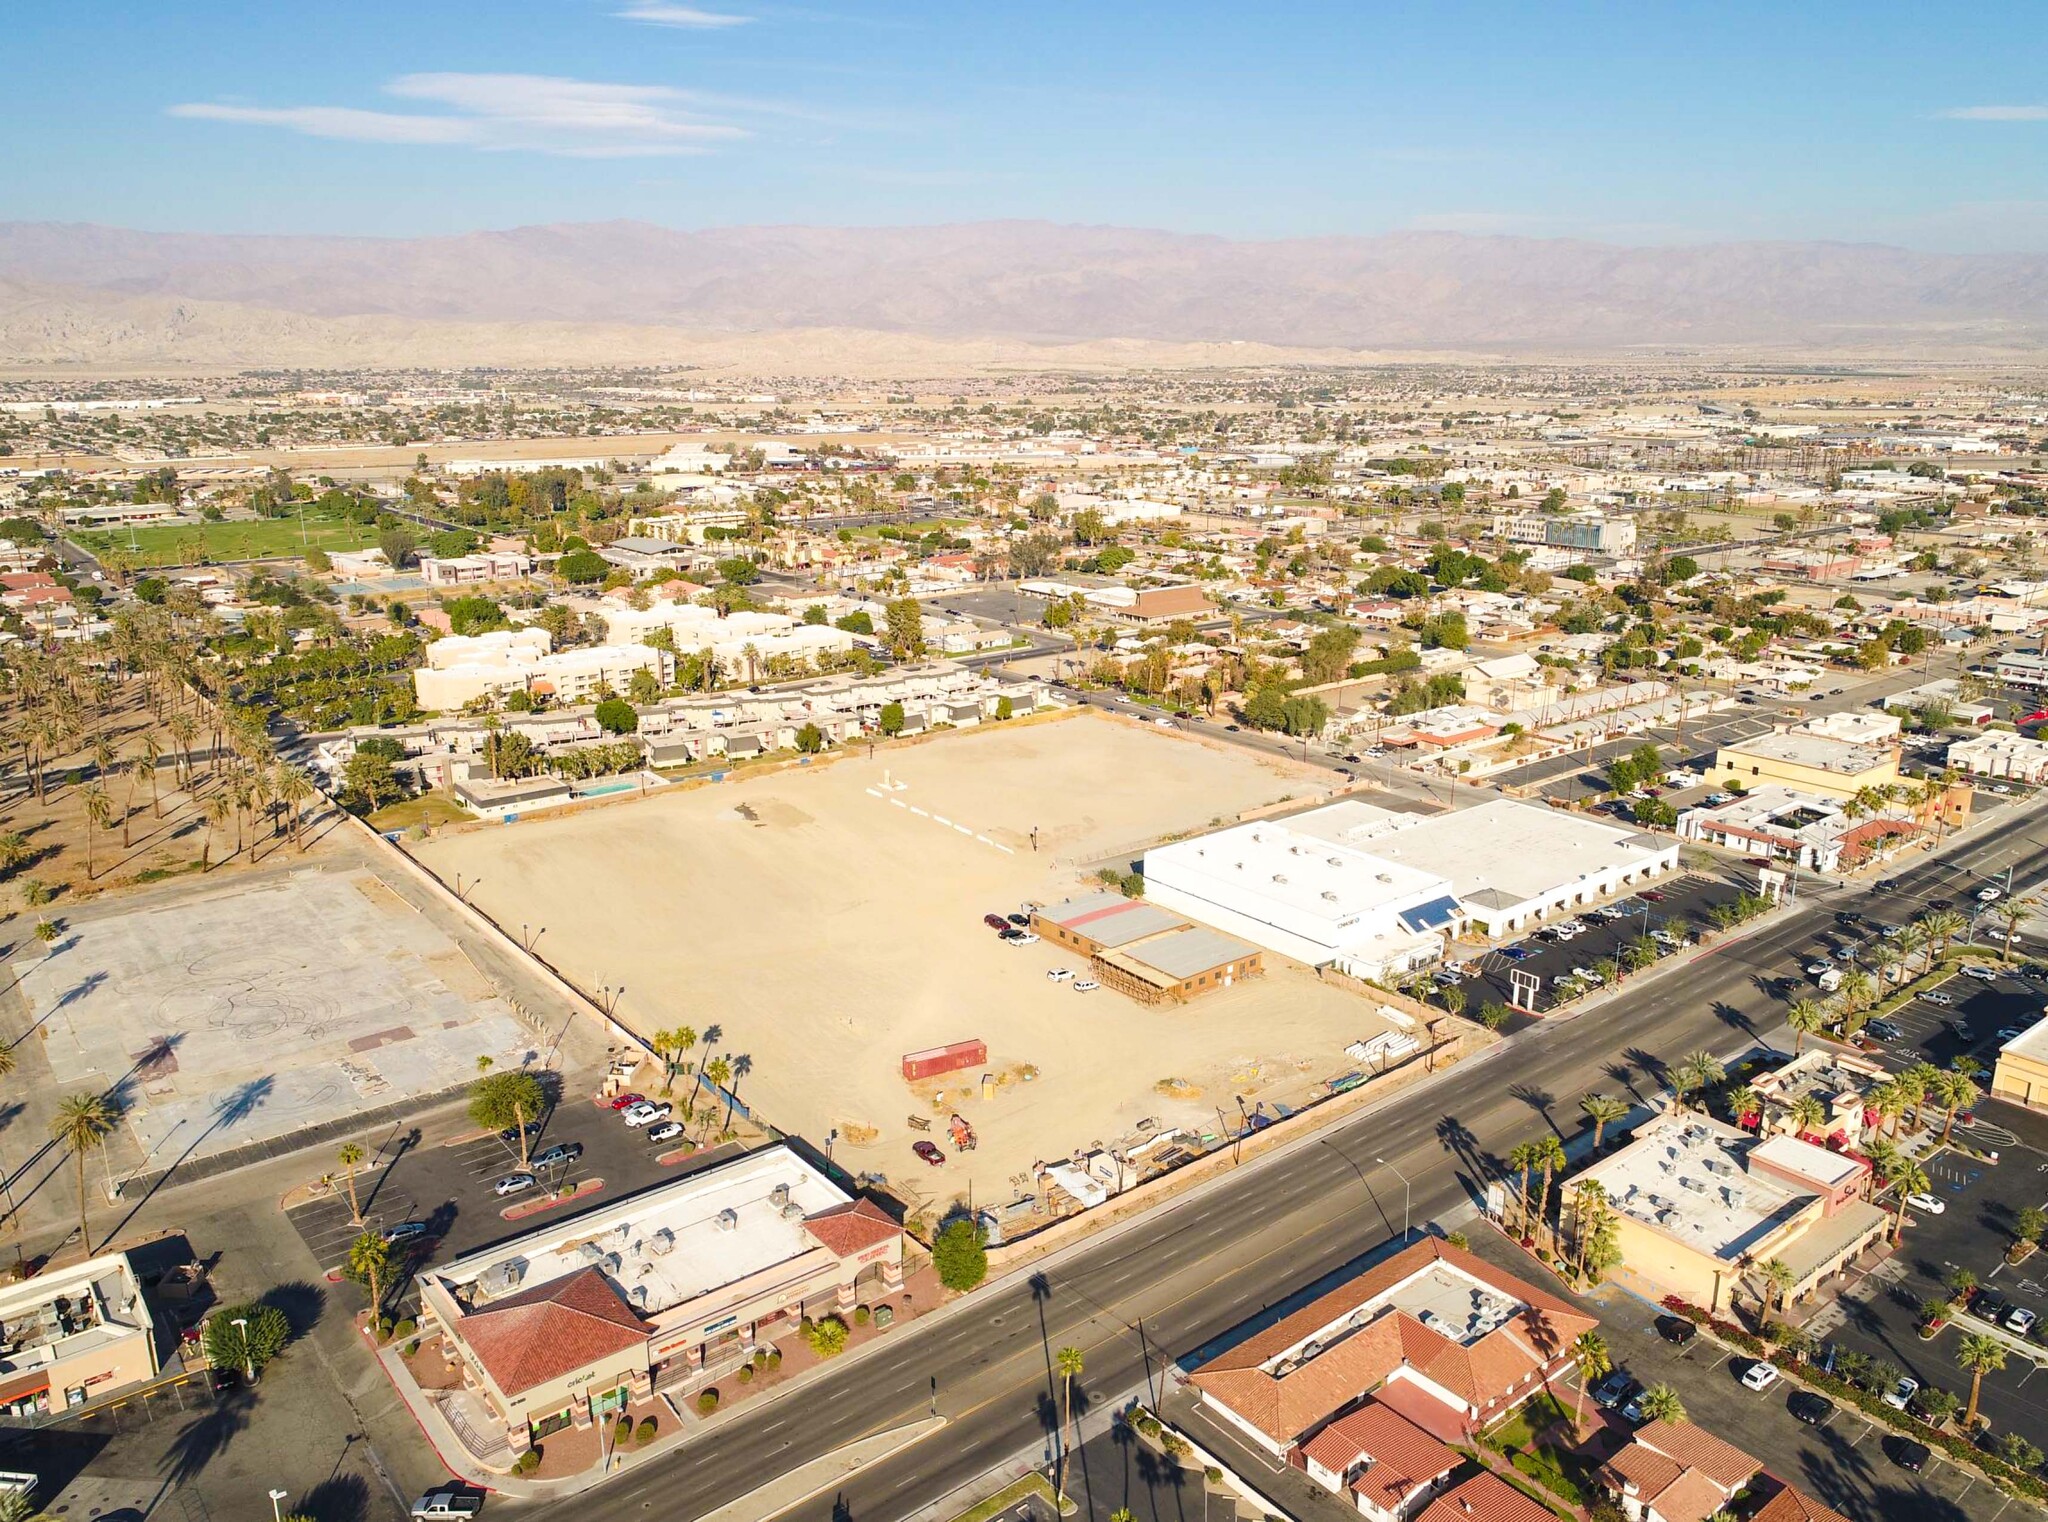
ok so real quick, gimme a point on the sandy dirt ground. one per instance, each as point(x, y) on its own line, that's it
point(828, 920)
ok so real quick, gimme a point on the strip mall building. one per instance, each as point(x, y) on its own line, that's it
point(563, 1326)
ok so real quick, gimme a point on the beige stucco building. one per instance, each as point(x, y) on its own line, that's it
point(1807, 762)
point(74, 1334)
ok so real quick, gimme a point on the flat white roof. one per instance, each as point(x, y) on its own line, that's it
point(1686, 1177)
point(1828, 1169)
point(666, 1247)
point(1283, 863)
point(1520, 851)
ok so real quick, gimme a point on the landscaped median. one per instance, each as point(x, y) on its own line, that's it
point(1790, 1358)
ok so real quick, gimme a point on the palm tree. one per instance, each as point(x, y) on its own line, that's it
point(1806, 1017)
point(1595, 1364)
point(1068, 1362)
point(1777, 1277)
point(8, 1060)
point(1808, 1114)
point(672, 1045)
point(139, 772)
point(1980, 1355)
point(1907, 1180)
point(1660, 1403)
point(1551, 1159)
point(1890, 1103)
point(1603, 1110)
point(1956, 1093)
point(1747, 1100)
point(99, 814)
point(1696, 1070)
point(718, 1073)
point(2011, 913)
point(152, 753)
point(294, 787)
point(350, 1155)
point(1884, 1162)
point(1912, 1086)
point(369, 1259)
point(1942, 926)
point(217, 810)
point(184, 731)
point(81, 1125)
point(1884, 957)
point(1524, 1160)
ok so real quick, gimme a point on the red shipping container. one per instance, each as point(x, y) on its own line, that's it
point(945, 1059)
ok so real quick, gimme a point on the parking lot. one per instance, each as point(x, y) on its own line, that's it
point(450, 1186)
point(1678, 908)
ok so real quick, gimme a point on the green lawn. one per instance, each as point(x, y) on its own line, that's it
point(171, 544)
point(428, 809)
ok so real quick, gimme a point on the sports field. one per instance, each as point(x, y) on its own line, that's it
point(168, 544)
point(829, 919)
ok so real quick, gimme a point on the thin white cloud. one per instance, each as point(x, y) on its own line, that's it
point(338, 122)
point(532, 113)
point(686, 16)
point(1997, 114)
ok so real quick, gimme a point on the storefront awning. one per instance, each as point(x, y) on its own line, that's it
point(22, 1386)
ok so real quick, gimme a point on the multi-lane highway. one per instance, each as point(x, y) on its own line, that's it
point(1185, 1274)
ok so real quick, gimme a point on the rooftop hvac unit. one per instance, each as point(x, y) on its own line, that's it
point(1737, 1195)
point(1279, 878)
point(613, 1264)
point(1667, 1218)
point(792, 1211)
point(622, 1233)
point(1692, 1184)
point(779, 1195)
point(1329, 895)
point(1335, 861)
point(662, 1242)
point(728, 1219)
point(502, 1278)
point(590, 1252)
point(640, 1297)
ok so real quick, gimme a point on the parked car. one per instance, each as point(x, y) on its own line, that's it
point(1884, 1030)
point(513, 1183)
point(1085, 985)
point(668, 1130)
point(510, 1135)
point(1981, 974)
point(1059, 974)
point(1517, 953)
point(1810, 1408)
point(404, 1231)
point(648, 1114)
point(558, 1154)
point(1652, 895)
point(1676, 1330)
point(627, 1101)
point(1617, 1387)
point(448, 1504)
point(1759, 1376)
point(1022, 938)
point(995, 922)
point(1906, 1453)
point(1021, 921)
point(1926, 1204)
point(2020, 1321)
point(1901, 1393)
point(1939, 904)
point(930, 1152)
point(1938, 997)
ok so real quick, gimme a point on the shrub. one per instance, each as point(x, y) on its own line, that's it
point(644, 1433)
point(528, 1461)
point(746, 1374)
point(860, 1315)
point(1459, 1240)
point(1149, 1425)
point(760, 1357)
point(405, 1328)
point(960, 1256)
point(1213, 1475)
point(827, 1338)
point(1175, 1445)
point(775, 1358)
point(622, 1432)
point(261, 1337)
point(707, 1401)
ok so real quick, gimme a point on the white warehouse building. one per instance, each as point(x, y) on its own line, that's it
point(1376, 893)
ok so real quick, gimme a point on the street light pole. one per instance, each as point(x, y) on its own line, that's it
point(277, 1496)
point(241, 1324)
point(1406, 1193)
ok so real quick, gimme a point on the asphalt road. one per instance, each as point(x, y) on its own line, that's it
point(1184, 1275)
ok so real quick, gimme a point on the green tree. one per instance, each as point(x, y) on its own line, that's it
point(906, 628)
point(1595, 1364)
point(582, 567)
point(1660, 1403)
point(1979, 1355)
point(1603, 1110)
point(959, 1255)
point(890, 721)
point(1696, 1071)
point(369, 1264)
point(246, 1337)
point(399, 547)
point(615, 716)
point(502, 1101)
point(369, 774)
point(810, 739)
point(350, 1156)
point(827, 1337)
point(1068, 1362)
point(1778, 1278)
point(1807, 1017)
point(81, 1125)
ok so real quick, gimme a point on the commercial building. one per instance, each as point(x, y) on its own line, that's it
point(1389, 1467)
point(1697, 1205)
point(2021, 1073)
point(1807, 763)
point(1811, 830)
point(1677, 1472)
point(2000, 753)
point(2023, 668)
point(1144, 951)
point(1374, 893)
point(1153, 605)
point(70, 1335)
point(661, 1290)
point(1587, 532)
point(1840, 1081)
point(1436, 1334)
point(745, 644)
point(468, 570)
point(579, 675)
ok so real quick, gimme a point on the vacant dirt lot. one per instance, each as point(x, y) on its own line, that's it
point(828, 920)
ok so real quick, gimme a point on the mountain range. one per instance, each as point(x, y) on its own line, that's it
point(85, 294)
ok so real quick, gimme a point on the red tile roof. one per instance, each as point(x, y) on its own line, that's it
point(849, 1229)
point(1794, 1505)
point(1694, 1447)
point(552, 1329)
point(1485, 1498)
point(1402, 1455)
point(1482, 1373)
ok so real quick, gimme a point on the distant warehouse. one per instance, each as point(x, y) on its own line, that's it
point(1144, 951)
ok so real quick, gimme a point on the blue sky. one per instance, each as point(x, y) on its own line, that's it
point(1908, 123)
